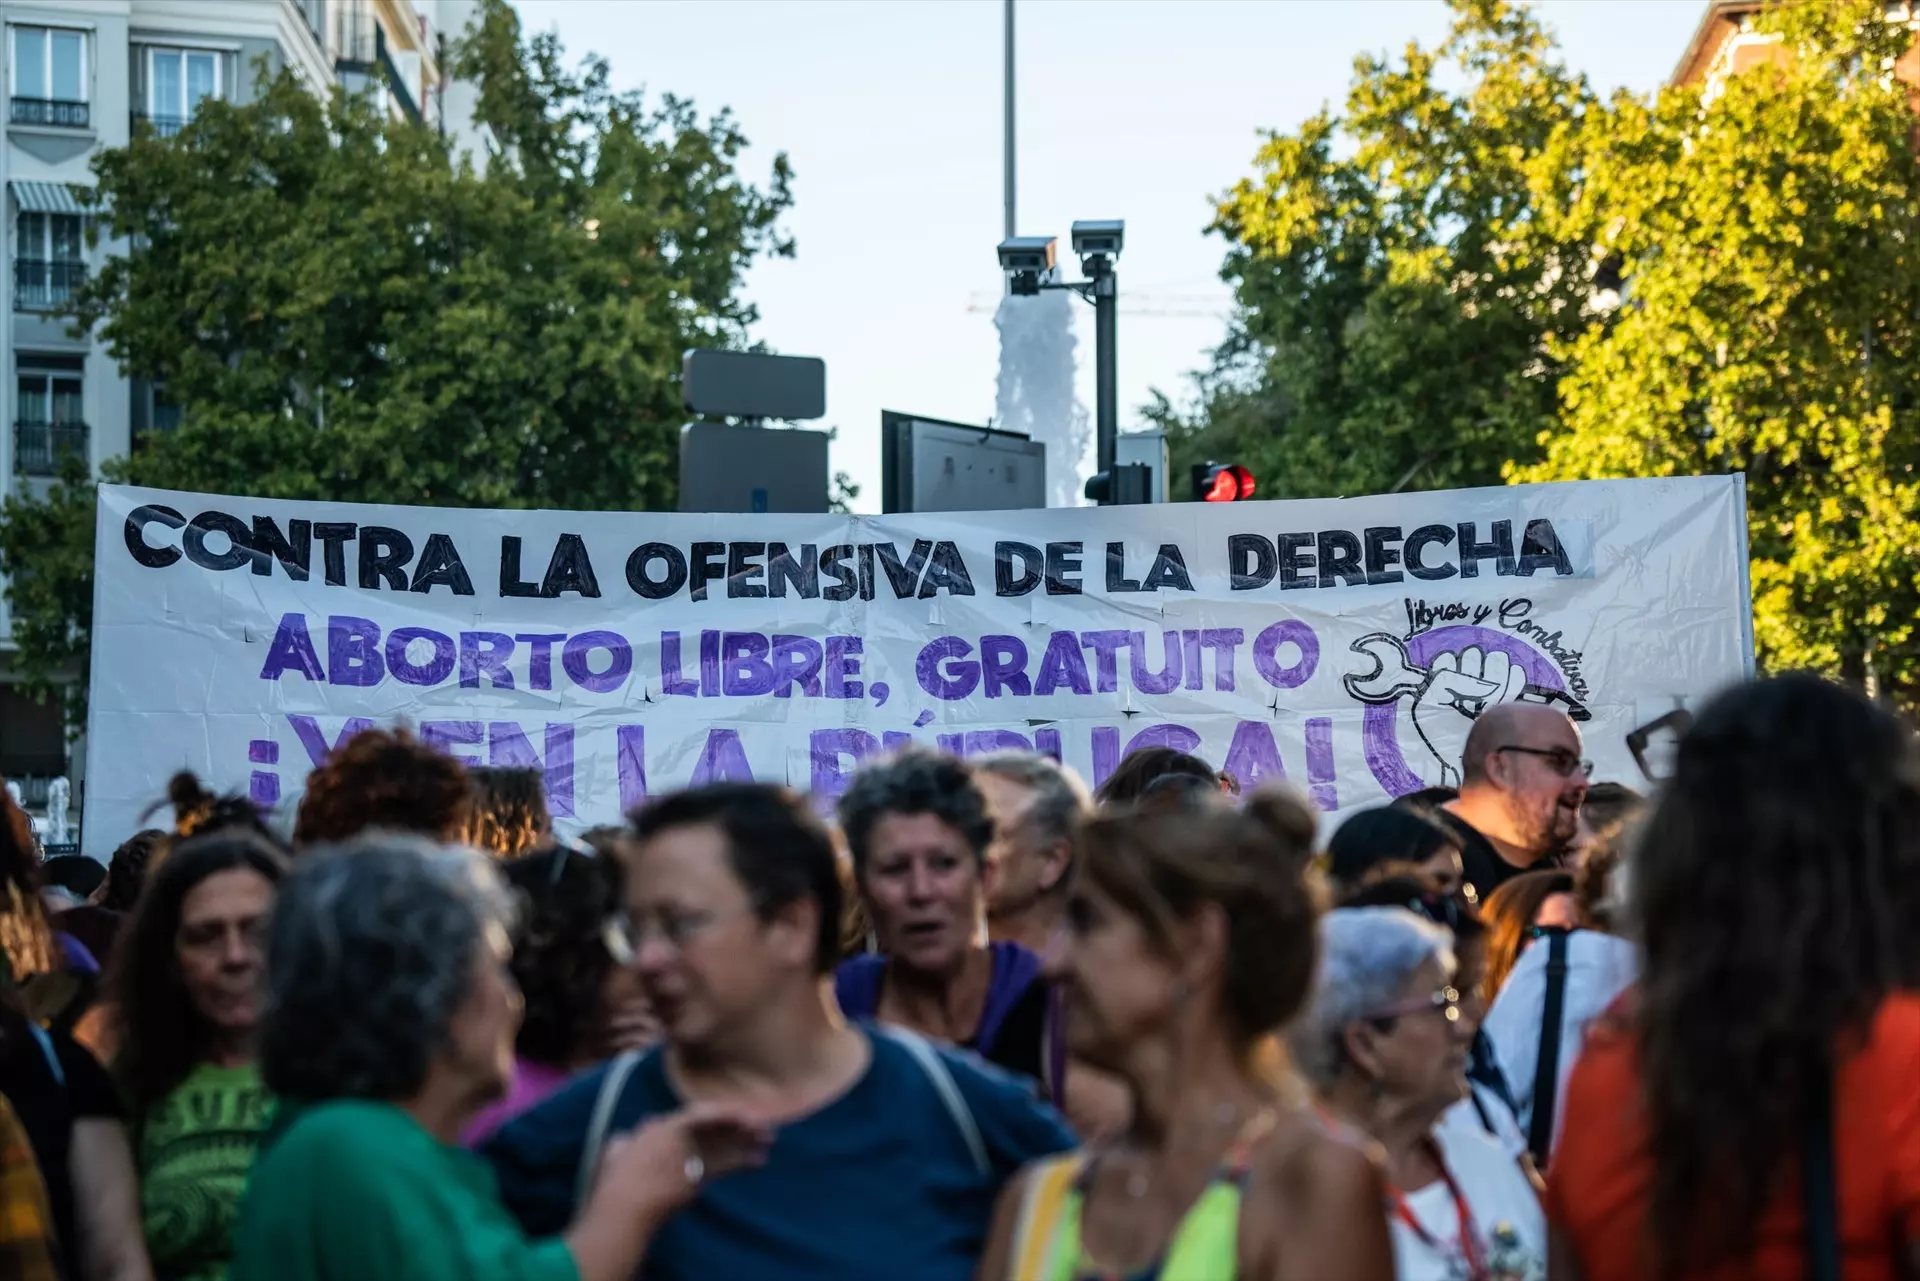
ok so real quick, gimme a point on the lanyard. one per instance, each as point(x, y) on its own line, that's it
point(1469, 1242)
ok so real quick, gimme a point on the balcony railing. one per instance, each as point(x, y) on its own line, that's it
point(51, 111)
point(39, 447)
point(40, 285)
point(164, 126)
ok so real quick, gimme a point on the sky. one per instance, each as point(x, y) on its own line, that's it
point(1145, 110)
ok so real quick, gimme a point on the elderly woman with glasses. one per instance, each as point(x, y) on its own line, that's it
point(1385, 1041)
point(389, 1022)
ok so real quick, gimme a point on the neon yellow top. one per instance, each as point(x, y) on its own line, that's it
point(1204, 1247)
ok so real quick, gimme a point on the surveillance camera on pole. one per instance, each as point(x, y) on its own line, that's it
point(1029, 264)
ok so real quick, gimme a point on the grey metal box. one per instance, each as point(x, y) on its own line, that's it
point(931, 466)
point(726, 467)
point(751, 384)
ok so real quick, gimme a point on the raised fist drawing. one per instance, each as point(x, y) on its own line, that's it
point(1448, 694)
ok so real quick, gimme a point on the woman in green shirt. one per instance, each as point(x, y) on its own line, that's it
point(389, 1024)
point(184, 1000)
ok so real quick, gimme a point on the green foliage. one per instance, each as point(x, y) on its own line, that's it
point(1770, 238)
point(1397, 291)
point(343, 312)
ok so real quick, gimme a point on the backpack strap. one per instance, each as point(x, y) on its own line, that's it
point(1043, 1215)
point(612, 1085)
point(935, 1069)
point(1546, 1067)
point(1820, 1196)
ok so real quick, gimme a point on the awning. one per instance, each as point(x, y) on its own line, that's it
point(45, 197)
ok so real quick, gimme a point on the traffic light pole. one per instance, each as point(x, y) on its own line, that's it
point(1106, 362)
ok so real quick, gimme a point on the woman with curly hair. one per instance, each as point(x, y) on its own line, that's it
point(573, 960)
point(1750, 1108)
point(186, 992)
point(508, 815)
point(385, 779)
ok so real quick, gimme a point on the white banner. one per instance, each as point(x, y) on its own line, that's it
point(1343, 644)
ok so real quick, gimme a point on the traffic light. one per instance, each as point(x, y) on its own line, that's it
point(1126, 485)
point(1221, 483)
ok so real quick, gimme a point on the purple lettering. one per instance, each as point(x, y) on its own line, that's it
point(540, 664)
point(292, 650)
point(444, 736)
point(485, 653)
point(353, 651)
point(978, 742)
point(959, 678)
point(722, 760)
point(1106, 753)
point(404, 669)
point(709, 663)
point(1320, 762)
point(1003, 663)
point(307, 729)
point(826, 748)
point(1222, 641)
point(744, 669)
point(1106, 647)
point(1178, 737)
point(1266, 651)
point(1063, 664)
point(507, 745)
point(671, 681)
point(1151, 682)
point(631, 759)
point(796, 661)
point(1047, 742)
point(1190, 658)
point(843, 663)
point(574, 658)
point(1253, 756)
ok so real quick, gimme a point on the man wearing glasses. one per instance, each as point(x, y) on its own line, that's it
point(1522, 781)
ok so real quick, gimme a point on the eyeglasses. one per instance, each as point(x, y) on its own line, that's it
point(1558, 759)
point(677, 929)
point(1443, 1001)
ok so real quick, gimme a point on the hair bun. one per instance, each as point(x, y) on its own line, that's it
point(1285, 816)
point(186, 794)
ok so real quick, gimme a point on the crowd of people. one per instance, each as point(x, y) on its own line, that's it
point(976, 1022)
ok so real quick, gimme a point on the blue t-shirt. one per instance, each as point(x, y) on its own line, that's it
point(878, 1184)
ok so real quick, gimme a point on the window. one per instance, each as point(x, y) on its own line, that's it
point(49, 76)
point(178, 80)
point(47, 420)
point(51, 264)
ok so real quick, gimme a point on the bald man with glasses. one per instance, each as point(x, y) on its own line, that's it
point(1522, 780)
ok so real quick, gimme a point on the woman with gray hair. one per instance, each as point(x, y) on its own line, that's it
point(389, 1023)
point(1384, 1040)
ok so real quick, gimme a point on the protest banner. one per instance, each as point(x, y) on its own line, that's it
point(1342, 644)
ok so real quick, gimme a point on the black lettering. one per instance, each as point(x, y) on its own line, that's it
point(239, 541)
point(137, 545)
point(1005, 583)
point(947, 569)
point(440, 566)
point(384, 554)
point(741, 570)
point(1540, 549)
point(1500, 550)
point(833, 565)
point(334, 537)
point(1169, 570)
point(705, 566)
point(904, 578)
point(511, 584)
point(1250, 561)
point(863, 558)
point(1340, 558)
point(1418, 540)
point(1380, 556)
point(650, 589)
point(294, 552)
point(783, 570)
point(1063, 559)
point(1296, 561)
point(570, 570)
point(1117, 580)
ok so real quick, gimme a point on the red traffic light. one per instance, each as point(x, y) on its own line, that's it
point(1222, 483)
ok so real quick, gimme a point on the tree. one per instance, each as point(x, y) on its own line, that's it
point(343, 312)
point(1396, 288)
point(1770, 240)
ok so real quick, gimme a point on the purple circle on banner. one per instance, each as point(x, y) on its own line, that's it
point(1379, 725)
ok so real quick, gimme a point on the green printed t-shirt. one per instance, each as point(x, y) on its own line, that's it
point(353, 1190)
point(196, 1146)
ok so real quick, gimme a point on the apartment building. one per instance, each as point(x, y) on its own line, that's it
point(79, 75)
point(1725, 43)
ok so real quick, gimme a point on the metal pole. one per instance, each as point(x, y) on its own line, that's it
point(1007, 147)
point(1106, 412)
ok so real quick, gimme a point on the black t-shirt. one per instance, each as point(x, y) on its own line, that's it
point(1020, 1046)
point(1485, 870)
point(48, 1108)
